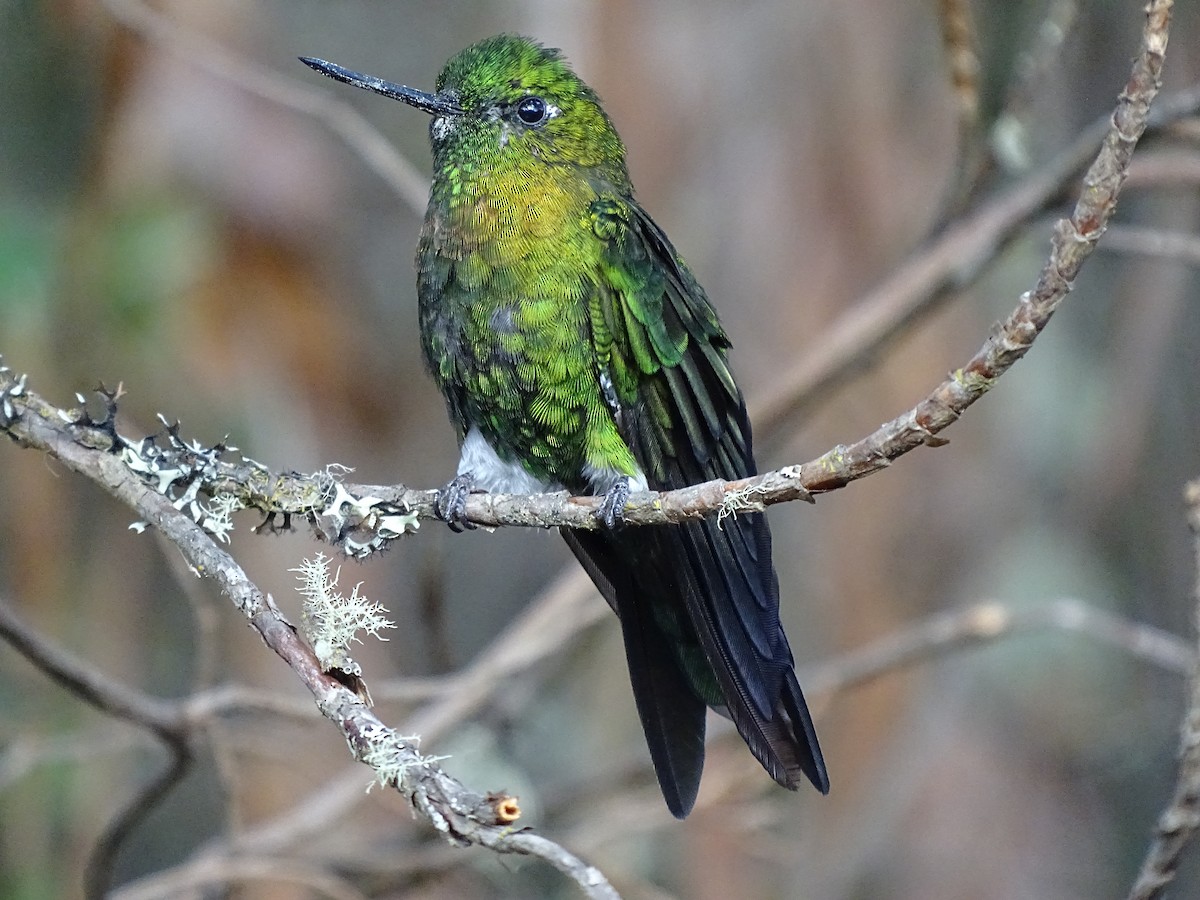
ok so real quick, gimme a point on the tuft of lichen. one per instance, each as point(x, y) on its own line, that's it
point(330, 620)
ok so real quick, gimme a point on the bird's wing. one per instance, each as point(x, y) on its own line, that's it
point(660, 344)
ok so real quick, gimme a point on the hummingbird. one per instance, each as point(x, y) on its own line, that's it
point(576, 351)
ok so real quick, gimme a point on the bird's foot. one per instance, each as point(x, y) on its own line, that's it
point(612, 508)
point(452, 502)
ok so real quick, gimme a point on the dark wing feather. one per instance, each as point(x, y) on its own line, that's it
point(704, 595)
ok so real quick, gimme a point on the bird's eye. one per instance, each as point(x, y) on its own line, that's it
point(532, 110)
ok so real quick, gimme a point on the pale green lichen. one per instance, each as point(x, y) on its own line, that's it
point(331, 621)
point(393, 756)
point(735, 502)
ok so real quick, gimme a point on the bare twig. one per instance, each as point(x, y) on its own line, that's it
point(921, 643)
point(1179, 821)
point(184, 882)
point(1072, 243)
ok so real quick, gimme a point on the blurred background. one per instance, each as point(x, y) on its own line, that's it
point(232, 262)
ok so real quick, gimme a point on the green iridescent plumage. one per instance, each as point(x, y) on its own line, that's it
point(575, 349)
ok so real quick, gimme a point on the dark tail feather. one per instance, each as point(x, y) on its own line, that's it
point(672, 715)
point(804, 733)
point(733, 603)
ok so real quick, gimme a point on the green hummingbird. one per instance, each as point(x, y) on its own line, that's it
point(576, 351)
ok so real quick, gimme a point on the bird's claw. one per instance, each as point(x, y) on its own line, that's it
point(452, 502)
point(612, 508)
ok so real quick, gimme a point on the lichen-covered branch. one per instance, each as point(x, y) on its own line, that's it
point(146, 481)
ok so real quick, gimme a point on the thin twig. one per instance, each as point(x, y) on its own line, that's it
point(952, 259)
point(1179, 821)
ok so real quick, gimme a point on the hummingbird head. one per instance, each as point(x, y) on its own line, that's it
point(508, 98)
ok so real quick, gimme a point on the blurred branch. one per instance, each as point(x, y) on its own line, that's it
point(1034, 63)
point(1180, 820)
point(88, 683)
point(923, 642)
point(115, 699)
point(961, 43)
point(962, 54)
point(402, 176)
point(1167, 167)
point(97, 878)
point(985, 623)
point(1168, 245)
point(179, 882)
point(1010, 131)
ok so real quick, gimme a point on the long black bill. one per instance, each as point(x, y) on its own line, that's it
point(431, 103)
